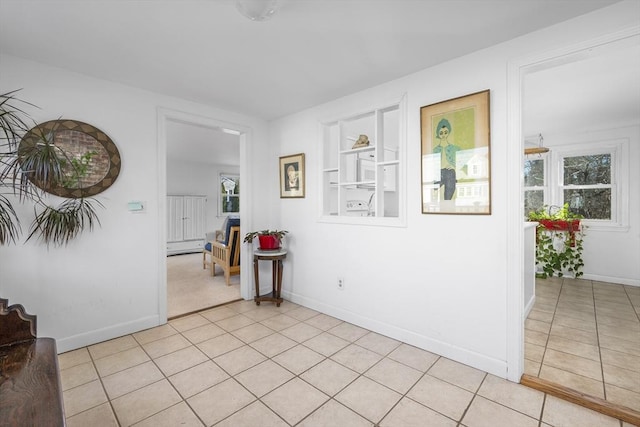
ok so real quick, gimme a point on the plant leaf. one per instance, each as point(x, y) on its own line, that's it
point(58, 226)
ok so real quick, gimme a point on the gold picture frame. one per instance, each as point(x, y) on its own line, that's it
point(456, 156)
point(292, 176)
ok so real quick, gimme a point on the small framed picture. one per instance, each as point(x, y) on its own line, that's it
point(292, 176)
point(456, 167)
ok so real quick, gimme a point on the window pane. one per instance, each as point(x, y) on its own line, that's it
point(230, 204)
point(534, 173)
point(592, 203)
point(587, 170)
point(533, 200)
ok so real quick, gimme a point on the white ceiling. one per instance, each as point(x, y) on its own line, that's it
point(192, 143)
point(599, 88)
point(310, 52)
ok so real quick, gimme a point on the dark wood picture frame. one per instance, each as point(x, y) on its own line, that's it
point(292, 176)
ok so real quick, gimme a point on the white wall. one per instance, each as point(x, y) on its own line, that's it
point(106, 283)
point(199, 179)
point(611, 254)
point(441, 283)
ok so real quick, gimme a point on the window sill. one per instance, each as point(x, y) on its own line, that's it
point(363, 220)
point(608, 227)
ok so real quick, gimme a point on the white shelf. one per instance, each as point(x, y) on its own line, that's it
point(370, 175)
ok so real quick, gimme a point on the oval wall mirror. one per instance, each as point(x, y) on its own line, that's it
point(90, 160)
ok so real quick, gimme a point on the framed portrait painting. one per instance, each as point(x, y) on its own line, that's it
point(456, 157)
point(292, 176)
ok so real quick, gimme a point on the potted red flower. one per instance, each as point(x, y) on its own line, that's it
point(268, 239)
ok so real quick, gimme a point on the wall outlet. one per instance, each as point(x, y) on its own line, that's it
point(341, 283)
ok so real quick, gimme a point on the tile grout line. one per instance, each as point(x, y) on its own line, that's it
point(626, 292)
point(546, 344)
point(595, 317)
point(104, 389)
point(182, 399)
point(268, 358)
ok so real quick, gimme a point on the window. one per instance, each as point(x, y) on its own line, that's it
point(229, 199)
point(587, 185)
point(534, 182)
point(589, 177)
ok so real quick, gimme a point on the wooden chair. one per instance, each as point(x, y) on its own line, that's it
point(206, 249)
point(226, 253)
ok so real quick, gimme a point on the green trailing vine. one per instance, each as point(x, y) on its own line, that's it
point(559, 241)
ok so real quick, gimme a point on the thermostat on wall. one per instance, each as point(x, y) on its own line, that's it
point(135, 207)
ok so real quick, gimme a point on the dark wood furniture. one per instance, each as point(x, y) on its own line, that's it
point(276, 257)
point(30, 389)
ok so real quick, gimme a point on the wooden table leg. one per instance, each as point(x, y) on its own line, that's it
point(279, 288)
point(255, 273)
point(274, 272)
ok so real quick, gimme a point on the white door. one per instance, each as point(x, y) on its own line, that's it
point(175, 218)
point(194, 218)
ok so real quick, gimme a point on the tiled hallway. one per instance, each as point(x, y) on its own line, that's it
point(585, 335)
point(242, 365)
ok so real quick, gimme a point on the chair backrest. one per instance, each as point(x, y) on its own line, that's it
point(231, 222)
point(234, 246)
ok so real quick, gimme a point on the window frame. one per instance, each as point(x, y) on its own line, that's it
point(221, 194)
point(546, 188)
point(554, 187)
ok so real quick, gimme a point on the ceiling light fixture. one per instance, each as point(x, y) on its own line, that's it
point(257, 10)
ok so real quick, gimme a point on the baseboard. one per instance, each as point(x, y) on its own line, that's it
point(465, 356)
point(612, 280)
point(591, 402)
point(105, 334)
point(529, 306)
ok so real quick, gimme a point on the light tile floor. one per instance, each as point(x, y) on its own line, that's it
point(242, 365)
point(585, 335)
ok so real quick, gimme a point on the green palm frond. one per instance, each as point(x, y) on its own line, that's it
point(11, 123)
point(58, 226)
point(9, 222)
point(38, 161)
point(30, 166)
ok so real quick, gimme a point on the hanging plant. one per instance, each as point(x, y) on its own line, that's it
point(62, 224)
point(559, 241)
point(29, 168)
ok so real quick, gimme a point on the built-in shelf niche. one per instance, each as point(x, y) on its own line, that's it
point(364, 184)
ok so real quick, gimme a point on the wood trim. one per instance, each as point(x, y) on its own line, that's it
point(536, 150)
point(591, 402)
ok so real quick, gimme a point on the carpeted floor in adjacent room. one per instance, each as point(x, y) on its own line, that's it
point(191, 288)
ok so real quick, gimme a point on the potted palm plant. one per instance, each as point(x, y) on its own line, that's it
point(267, 239)
point(559, 245)
point(27, 171)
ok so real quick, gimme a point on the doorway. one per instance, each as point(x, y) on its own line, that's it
point(197, 156)
point(572, 346)
point(186, 143)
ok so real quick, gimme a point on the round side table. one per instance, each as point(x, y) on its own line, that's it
point(275, 256)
